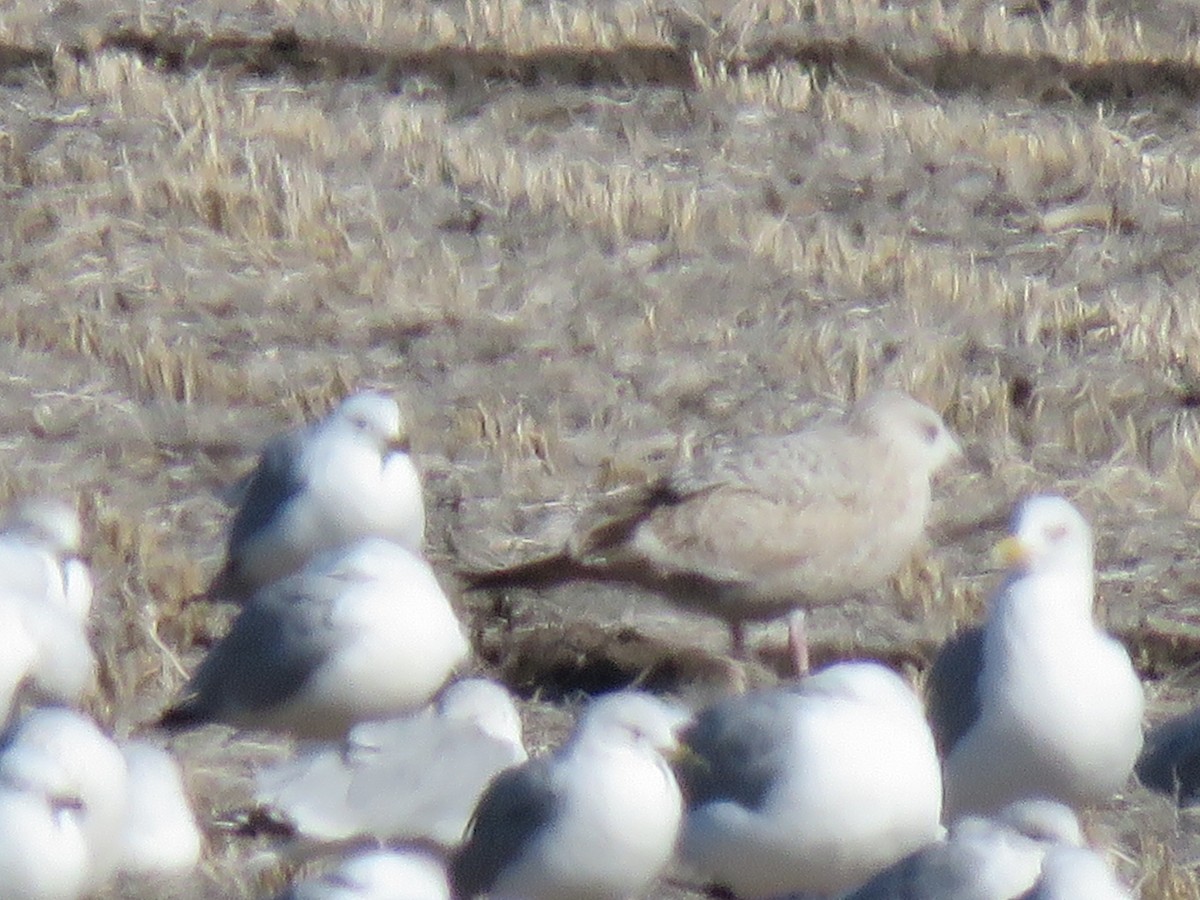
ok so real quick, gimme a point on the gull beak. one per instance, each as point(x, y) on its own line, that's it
point(685, 757)
point(399, 444)
point(1011, 552)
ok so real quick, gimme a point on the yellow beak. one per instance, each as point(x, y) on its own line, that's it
point(1011, 552)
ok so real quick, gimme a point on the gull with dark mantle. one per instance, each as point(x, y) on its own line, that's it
point(345, 477)
point(1039, 701)
point(1030, 849)
point(361, 633)
point(598, 818)
point(810, 787)
point(769, 526)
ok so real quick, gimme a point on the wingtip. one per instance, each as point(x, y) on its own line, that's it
point(181, 717)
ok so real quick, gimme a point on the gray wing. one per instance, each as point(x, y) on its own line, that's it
point(939, 872)
point(740, 749)
point(514, 809)
point(273, 648)
point(1170, 761)
point(952, 691)
point(276, 480)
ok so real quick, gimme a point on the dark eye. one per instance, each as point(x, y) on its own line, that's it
point(931, 432)
point(1055, 533)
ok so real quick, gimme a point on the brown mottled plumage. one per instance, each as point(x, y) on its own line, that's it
point(771, 525)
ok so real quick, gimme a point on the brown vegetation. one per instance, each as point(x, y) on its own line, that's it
point(579, 240)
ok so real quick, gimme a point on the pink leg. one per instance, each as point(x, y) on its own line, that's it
point(798, 641)
point(737, 632)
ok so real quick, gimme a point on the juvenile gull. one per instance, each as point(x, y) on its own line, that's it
point(345, 477)
point(1040, 702)
point(811, 787)
point(378, 875)
point(419, 776)
point(771, 525)
point(362, 633)
point(597, 819)
point(997, 858)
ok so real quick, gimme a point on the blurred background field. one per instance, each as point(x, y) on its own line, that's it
point(579, 241)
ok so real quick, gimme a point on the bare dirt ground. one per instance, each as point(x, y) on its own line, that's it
point(579, 241)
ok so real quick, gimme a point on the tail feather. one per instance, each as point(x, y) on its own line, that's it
point(186, 714)
point(547, 572)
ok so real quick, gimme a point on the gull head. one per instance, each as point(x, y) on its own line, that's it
point(486, 704)
point(634, 719)
point(909, 427)
point(1048, 533)
point(376, 417)
point(48, 521)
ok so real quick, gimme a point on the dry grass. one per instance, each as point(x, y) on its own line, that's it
point(579, 241)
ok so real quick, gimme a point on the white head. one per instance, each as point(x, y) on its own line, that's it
point(633, 719)
point(377, 417)
point(1043, 820)
point(48, 521)
point(1048, 533)
point(909, 427)
point(384, 875)
point(488, 705)
point(863, 681)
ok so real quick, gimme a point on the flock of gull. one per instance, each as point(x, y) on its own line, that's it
point(414, 780)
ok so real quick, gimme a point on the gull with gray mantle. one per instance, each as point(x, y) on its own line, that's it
point(414, 777)
point(596, 819)
point(810, 787)
point(1039, 701)
point(771, 525)
point(361, 633)
point(345, 477)
point(1031, 848)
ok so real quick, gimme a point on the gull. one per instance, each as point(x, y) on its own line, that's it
point(416, 777)
point(345, 477)
point(1170, 761)
point(45, 654)
point(159, 836)
point(362, 633)
point(62, 796)
point(39, 556)
point(596, 819)
point(1040, 701)
point(810, 787)
point(378, 875)
point(1071, 873)
point(771, 525)
point(998, 858)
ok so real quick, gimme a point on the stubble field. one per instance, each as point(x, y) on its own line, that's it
point(579, 241)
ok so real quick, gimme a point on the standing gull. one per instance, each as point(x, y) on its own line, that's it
point(416, 777)
point(345, 477)
point(771, 525)
point(362, 633)
point(1040, 702)
point(598, 819)
point(810, 787)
